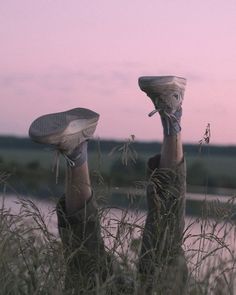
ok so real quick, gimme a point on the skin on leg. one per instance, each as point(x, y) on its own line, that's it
point(172, 151)
point(77, 187)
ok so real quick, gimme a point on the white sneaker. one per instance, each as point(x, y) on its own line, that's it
point(166, 92)
point(65, 130)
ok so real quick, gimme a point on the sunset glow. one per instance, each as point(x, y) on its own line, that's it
point(57, 55)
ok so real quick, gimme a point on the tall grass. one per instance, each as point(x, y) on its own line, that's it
point(31, 255)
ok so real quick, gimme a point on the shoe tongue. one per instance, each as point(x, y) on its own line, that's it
point(78, 156)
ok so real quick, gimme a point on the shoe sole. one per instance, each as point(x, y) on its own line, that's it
point(76, 125)
point(153, 84)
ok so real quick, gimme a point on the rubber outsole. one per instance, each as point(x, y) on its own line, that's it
point(54, 128)
point(155, 83)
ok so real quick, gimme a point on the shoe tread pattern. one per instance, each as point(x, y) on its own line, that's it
point(55, 123)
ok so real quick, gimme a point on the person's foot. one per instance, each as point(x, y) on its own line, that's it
point(67, 131)
point(166, 93)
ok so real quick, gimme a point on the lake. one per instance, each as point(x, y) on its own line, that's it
point(208, 243)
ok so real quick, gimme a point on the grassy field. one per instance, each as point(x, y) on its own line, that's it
point(216, 165)
point(31, 260)
point(45, 158)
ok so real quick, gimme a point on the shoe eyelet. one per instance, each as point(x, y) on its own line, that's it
point(176, 96)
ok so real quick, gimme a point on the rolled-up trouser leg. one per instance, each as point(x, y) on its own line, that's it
point(162, 264)
point(87, 263)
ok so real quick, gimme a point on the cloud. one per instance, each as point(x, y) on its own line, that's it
point(59, 79)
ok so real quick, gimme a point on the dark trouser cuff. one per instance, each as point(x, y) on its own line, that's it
point(162, 237)
point(86, 259)
point(88, 212)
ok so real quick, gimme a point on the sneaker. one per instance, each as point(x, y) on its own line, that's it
point(65, 130)
point(166, 92)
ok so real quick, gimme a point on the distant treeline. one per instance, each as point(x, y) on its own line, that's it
point(26, 168)
point(11, 142)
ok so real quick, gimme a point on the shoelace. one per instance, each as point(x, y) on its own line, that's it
point(160, 108)
point(169, 118)
point(153, 112)
point(56, 162)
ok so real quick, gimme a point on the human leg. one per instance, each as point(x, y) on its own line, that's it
point(171, 151)
point(162, 265)
point(77, 187)
point(86, 261)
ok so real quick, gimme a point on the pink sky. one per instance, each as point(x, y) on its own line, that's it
point(57, 55)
